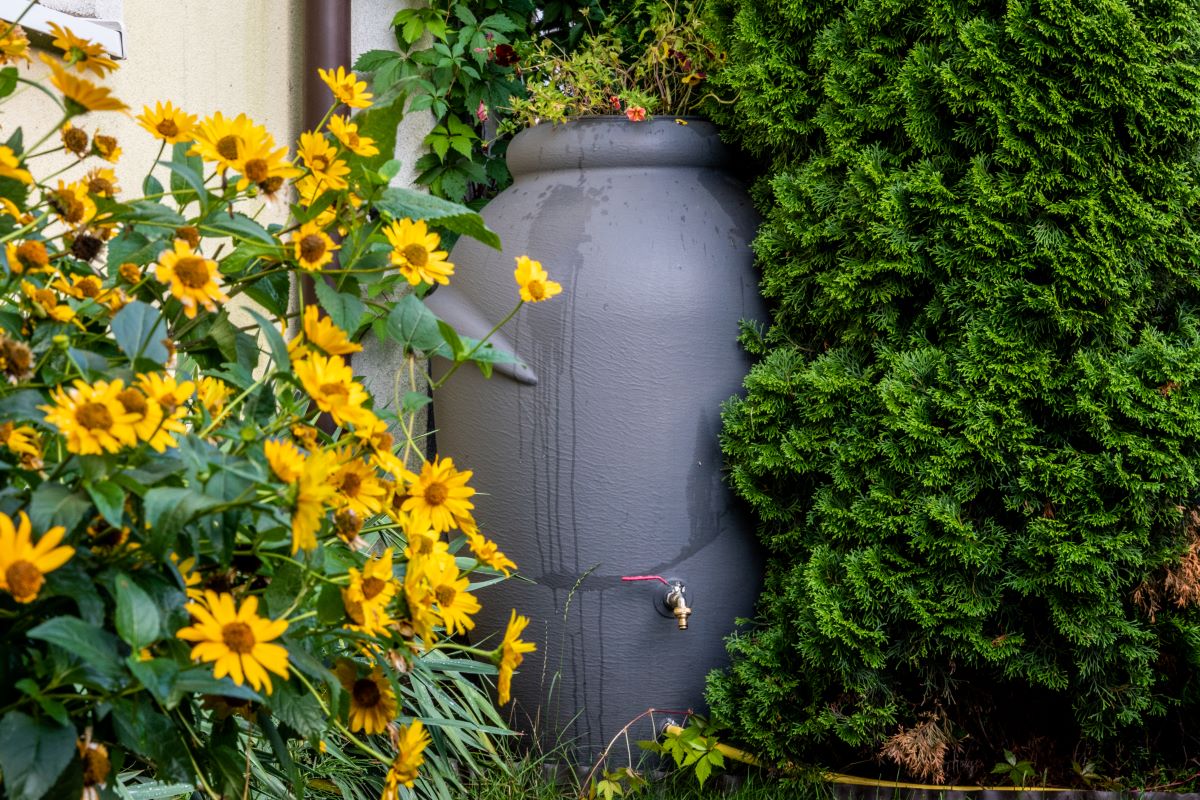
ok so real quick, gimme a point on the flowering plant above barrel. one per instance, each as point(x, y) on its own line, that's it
point(486, 71)
point(223, 561)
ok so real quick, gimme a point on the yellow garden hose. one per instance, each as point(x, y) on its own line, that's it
point(835, 777)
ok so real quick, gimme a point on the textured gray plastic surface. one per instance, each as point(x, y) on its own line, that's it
point(609, 465)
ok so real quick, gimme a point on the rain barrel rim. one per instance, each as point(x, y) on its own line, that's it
point(613, 141)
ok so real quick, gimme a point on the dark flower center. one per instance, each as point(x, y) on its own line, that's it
point(167, 128)
point(312, 247)
point(366, 693)
point(227, 147)
point(238, 637)
point(371, 587)
point(94, 416)
point(192, 272)
point(436, 494)
point(416, 254)
point(23, 578)
point(134, 401)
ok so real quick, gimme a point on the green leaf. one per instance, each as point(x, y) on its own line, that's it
point(151, 186)
point(168, 508)
point(54, 709)
point(138, 620)
point(54, 504)
point(95, 648)
point(380, 123)
point(400, 202)
point(200, 680)
point(139, 329)
point(187, 180)
point(8, 81)
point(414, 401)
point(23, 405)
point(413, 325)
point(272, 292)
point(279, 748)
point(154, 213)
point(330, 609)
point(238, 226)
point(158, 675)
point(109, 499)
point(151, 735)
point(450, 336)
point(285, 585)
point(33, 753)
point(299, 711)
point(346, 310)
point(155, 791)
point(279, 350)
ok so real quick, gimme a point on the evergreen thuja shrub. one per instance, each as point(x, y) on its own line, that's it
point(972, 437)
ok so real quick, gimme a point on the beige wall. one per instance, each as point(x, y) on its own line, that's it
point(201, 55)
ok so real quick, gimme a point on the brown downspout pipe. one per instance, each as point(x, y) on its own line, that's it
point(326, 46)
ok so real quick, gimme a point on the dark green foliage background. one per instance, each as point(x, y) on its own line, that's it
point(976, 417)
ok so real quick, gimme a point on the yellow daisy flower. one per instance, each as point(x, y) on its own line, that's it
point(411, 743)
point(358, 488)
point(346, 87)
point(260, 163)
point(81, 94)
point(167, 392)
point(237, 641)
point(92, 417)
point(414, 251)
point(488, 553)
point(101, 181)
point(437, 498)
point(321, 158)
point(511, 653)
point(75, 140)
point(454, 604)
point(220, 141)
point(191, 578)
point(167, 123)
point(10, 166)
point(14, 44)
point(153, 426)
point(192, 278)
point(419, 599)
point(212, 394)
point(23, 564)
point(312, 247)
point(82, 54)
point(346, 132)
point(371, 619)
point(372, 701)
point(72, 203)
point(320, 332)
point(533, 281)
point(25, 441)
point(28, 256)
point(106, 147)
point(330, 382)
point(313, 495)
point(376, 584)
point(81, 287)
point(96, 768)
point(285, 460)
point(46, 303)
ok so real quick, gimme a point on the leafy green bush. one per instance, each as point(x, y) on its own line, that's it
point(972, 438)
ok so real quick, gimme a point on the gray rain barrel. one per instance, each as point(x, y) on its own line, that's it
point(609, 464)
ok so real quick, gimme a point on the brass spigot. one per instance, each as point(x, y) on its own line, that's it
point(676, 601)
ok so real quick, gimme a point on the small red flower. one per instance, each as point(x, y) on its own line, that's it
point(616, 102)
point(481, 112)
point(505, 55)
point(636, 114)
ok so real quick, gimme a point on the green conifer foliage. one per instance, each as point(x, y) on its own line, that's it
point(973, 435)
